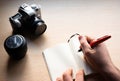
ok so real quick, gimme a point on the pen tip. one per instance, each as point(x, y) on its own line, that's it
point(79, 50)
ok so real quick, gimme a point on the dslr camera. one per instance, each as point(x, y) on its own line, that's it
point(28, 21)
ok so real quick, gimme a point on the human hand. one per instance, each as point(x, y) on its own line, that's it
point(98, 57)
point(67, 76)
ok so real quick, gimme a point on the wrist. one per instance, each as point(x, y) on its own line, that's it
point(111, 73)
point(110, 68)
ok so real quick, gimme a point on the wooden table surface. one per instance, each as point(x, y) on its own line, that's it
point(63, 18)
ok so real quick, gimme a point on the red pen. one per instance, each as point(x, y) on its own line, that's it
point(97, 41)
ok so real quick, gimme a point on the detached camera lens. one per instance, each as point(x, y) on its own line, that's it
point(16, 46)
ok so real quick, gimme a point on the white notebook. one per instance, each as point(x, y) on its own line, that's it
point(63, 56)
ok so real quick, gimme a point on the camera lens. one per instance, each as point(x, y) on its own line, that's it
point(16, 46)
point(40, 29)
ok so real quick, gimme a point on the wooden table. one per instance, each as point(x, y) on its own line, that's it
point(63, 18)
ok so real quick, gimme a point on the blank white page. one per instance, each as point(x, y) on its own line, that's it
point(59, 59)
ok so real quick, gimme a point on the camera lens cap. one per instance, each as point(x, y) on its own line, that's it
point(16, 46)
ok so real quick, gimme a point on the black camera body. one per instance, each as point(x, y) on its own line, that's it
point(28, 21)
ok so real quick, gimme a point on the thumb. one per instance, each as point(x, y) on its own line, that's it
point(80, 76)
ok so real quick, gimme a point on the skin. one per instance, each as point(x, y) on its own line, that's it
point(98, 58)
point(67, 76)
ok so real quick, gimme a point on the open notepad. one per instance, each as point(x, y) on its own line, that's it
point(63, 56)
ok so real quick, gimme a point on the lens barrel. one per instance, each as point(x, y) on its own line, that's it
point(16, 46)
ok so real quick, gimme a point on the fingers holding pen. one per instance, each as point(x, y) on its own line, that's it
point(86, 48)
